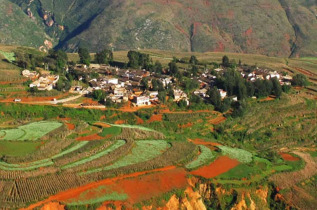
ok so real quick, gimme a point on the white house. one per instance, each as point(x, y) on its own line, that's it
point(141, 100)
point(223, 93)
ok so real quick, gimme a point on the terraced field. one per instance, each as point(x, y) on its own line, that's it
point(92, 162)
point(32, 131)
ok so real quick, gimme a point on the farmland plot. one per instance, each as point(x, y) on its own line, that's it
point(235, 153)
point(118, 144)
point(32, 131)
point(143, 151)
point(205, 156)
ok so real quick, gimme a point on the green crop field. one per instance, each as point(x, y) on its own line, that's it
point(239, 154)
point(112, 148)
point(110, 131)
point(143, 151)
point(204, 158)
point(13, 148)
point(32, 131)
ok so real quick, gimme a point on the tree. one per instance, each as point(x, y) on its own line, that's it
point(162, 96)
point(225, 105)
point(190, 84)
point(193, 60)
point(300, 80)
point(277, 88)
point(194, 70)
point(99, 95)
point(84, 56)
point(225, 61)
point(104, 57)
point(158, 69)
point(173, 68)
point(145, 83)
point(214, 97)
point(63, 84)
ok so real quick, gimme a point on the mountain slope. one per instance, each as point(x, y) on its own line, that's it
point(270, 27)
point(17, 28)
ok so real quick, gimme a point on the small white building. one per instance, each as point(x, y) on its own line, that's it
point(274, 74)
point(223, 93)
point(179, 94)
point(142, 100)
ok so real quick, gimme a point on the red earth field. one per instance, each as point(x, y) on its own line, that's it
point(219, 166)
point(167, 179)
point(203, 142)
point(70, 126)
point(156, 118)
point(92, 137)
point(289, 157)
point(104, 125)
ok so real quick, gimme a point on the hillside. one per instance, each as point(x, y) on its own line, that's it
point(270, 27)
point(18, 29)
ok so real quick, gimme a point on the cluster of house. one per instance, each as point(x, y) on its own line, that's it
point(122, 85)
point(267, 74)
point(45, 82)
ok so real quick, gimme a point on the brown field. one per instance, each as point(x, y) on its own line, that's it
point(75, 192)
point(70, 126)
point(104, 125)
point(289, 157)
point(92, 137)
point(221, 165)
point(156, 118)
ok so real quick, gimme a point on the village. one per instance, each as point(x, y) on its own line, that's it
point(141, 87)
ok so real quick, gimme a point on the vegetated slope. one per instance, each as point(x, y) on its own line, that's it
point(269, 27)
point(17, 28)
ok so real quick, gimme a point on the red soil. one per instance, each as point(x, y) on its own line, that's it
point(70, 126)
point(154, 118)
point(90, 101)
point(104, 125)
point(187, 125)
point(53, 206)
point(139, 121)
point(140, 188)
point(103, 117)
point(269, 98)
point(92, 137)
point(289, 157)
point(146, 187)
point(217, 120)
point(119, 122)
point(73, 193)
point(64, 119)
point(220, 47)
point(248, 32)
point(306, 72)
point(203, 142)
point(219, 166)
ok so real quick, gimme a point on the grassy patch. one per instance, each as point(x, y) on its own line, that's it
point(110, 131)
point(32, 131)
point(205, 157)
point(239, 154)
point(13, 148)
